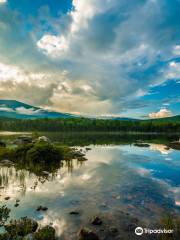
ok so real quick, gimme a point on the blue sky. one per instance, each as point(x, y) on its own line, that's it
point(93, 57)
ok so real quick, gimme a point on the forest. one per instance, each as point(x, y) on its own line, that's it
point(167, 125)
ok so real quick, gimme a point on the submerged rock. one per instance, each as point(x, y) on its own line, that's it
point(41, 208)
point(113, 230)
point(6, 198)
point(45, 233)
point(141, 145)
point(74, 212)
point(86, 234)
point(96, 221)
point(88, 148)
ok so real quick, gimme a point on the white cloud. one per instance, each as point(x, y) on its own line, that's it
point(173, 70)
point(161, 114)
point(53, 45)
point(176, 50)
point(101, 57)
point(6, 109)
point(3, 1)
point(27, 111)
point(11, 72)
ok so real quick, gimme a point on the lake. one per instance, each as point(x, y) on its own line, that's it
point(123, 184)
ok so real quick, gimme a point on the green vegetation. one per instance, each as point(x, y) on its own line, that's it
point(24, 227)
point(47, 232)
point(21, 227)
point(40, 157)
point(171, 222)
point(170, 125)
point(4, 215)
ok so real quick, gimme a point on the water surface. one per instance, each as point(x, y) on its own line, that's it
point(140, 182)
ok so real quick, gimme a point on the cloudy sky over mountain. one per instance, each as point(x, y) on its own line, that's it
point(92, 56)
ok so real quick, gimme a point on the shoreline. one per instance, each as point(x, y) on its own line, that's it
point(9, 133)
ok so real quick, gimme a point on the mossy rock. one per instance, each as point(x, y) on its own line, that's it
point(47, 233)
point(21, 227)
point(87, 234)
point(43, 152)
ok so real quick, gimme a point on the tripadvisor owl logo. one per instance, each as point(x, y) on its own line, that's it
point(140, 231)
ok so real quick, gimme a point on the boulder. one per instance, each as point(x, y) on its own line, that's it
point(2, 143)
point(96, 221)
point(141, 145)
point(86, 234)
point(43, 139)
point(41, 208)
point(23, 140)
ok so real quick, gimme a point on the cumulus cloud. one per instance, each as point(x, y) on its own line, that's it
point(173, 70)
point(161, 114)
point(103, 58)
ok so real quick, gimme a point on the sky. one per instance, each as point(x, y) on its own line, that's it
point(92, 57)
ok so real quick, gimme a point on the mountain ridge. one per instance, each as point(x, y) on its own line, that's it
point(20, 110)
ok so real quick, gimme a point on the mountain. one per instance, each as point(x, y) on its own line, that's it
point(19, 110)
point(175, 118)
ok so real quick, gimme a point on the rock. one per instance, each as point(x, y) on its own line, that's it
point(6, 198)
point(113, 230)
point(23, 140)
point(44, 208)
point(43, 139)
point(16, 205)
point(74, 213)
point(88, 149)
point(45, 173)
point(6, 162)
point(141, 144)
point(41, 208)
point(174, 145)
point(86, 234)
point(45, 233)
point(96, 221)
point(2, 143)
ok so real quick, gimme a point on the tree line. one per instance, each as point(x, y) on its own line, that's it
point(85, 124)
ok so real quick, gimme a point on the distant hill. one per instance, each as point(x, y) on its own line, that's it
point(19, 110)
point(166, 119)
point(14, 109)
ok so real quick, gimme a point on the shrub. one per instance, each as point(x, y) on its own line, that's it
point(47, 233)
point(4, 215)
point(21, 227)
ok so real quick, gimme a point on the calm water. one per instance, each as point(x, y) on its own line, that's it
point(117, 182)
